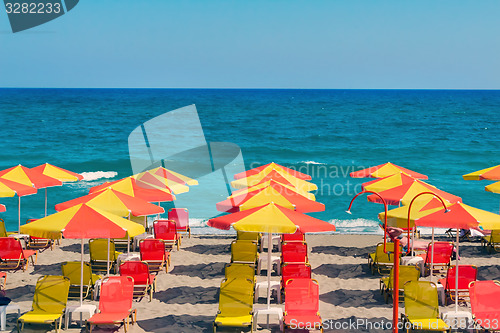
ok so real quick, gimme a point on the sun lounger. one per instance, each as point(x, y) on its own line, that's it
point(406, 274)
point(38, 243)
point(302, 304)
point(442, 256)
point(13, 256)
point(181, 218)
point(248, 235)
point(491, 242)
point(3, 231)
point(466, 274)
point(49, 302)
point(167, 231)
point(244, 252)
point(298, 236)
point(155, 254)
point(115, 303)
point(421, 307)
point(382, 262)
point(235, 304)
point(144, 282)
point(484, 296)
point(236, 270)
point(294, 271)
point(72, 270)
point(294, 252)
point(99, 255)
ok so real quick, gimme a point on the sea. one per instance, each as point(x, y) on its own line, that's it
point(325, 133)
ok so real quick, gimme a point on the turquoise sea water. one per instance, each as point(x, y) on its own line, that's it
point(326, 133)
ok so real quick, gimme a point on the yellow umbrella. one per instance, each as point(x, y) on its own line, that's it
point(495, 187)
point(279, 176)
point(492, 173)
point(260, 186)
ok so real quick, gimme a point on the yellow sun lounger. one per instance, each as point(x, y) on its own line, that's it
point(49, 302)
point(492, 241)
point(235, 304)
point(422, 308)
point(382, 262)
point(236, 270)
point(99, 255)
point(244, 252)
point(72, 270)
point(406, 274)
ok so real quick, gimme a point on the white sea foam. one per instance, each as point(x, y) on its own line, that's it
point(91, 176)
point(356, 226)
point(312, 162)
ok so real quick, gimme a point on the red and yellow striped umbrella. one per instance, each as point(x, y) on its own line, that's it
point(276, 175)
point(384, 170)
point(492, 173)
point(271, 166)
point(150, 178)
point(130, 187)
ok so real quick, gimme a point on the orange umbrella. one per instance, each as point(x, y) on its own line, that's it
point(276, 193)
point(25, 176)
point(384, 170)
point(130, 187)
point(274, 166)
point(114, 202)
point(58, 173)
point(2, 208)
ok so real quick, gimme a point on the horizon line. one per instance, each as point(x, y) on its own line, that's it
point(222, 88)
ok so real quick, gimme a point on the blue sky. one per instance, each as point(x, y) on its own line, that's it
point(259, 44)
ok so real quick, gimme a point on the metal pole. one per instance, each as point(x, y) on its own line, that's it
point(19, 214)
point(45, 201)
point(107, 261)
point(81, 276)
point(395, 292)
point(269, 249)
point(432, 253)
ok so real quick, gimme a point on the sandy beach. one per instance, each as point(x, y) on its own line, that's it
point(186, 299)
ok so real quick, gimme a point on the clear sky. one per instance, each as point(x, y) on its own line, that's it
point(423, 44)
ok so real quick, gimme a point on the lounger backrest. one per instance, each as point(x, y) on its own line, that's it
point(235, 270)
point(116, 294)
point(298, 236)
point(466, 274)
point(3, 231)
point(294, 271)
point(381, 256)
point(180, 216)
point(495, 236)
point(442, 252)
point(421, 300)
point(484, 296)
point(236, 297)
point(244, 250)
point(248, 235)
point(164, 229)
point(10, 245)
point(51, 294)
point(99, 249)
point(72, 270)
point(138, 270)
point(406, 274)
point(152, 249)
point(302, 295)
point(294, 247)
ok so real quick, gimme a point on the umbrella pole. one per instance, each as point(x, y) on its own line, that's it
point(107, 262)
point(45, 201)
point(456, 275)
point(413, 240)
point(81, 276)
point(128, 239)
point(19, 214)
point(269, 249)
point(432, 252)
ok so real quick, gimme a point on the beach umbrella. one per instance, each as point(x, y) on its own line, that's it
point(388, 182)
point(114, 202)
point(460, 216)
point(272, 182)
point(492, 173)
point(27, 177)
point(279, 176)
point(384, 170)
point(149, 178)
point(271, 218)
point(272, 193)
point(130, 187)
point(58, 173)
point(271, 166)
point(83, 222)
point(404, 194)
point(2, 208)
point(174, 176)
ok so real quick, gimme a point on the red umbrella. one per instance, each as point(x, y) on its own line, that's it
point(2, 208)
point(272, 165)
point(384, 170)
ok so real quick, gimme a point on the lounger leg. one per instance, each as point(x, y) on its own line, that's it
point(189, 230)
